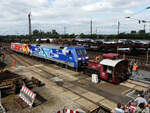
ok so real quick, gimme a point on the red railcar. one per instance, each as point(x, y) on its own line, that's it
point(110, 69)
point(22, 48)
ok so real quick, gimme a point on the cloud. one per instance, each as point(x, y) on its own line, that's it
point(128, 11)
point(74, 14)
point(97, 6)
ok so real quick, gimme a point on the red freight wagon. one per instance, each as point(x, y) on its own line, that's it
point(111, 55)
point(22, 48)
point(109, 69)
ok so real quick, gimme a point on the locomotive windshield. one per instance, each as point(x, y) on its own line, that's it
point(81, 51)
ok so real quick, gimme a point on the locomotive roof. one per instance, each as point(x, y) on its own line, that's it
point(57, 46)
point(110, 62)
point(17, 43)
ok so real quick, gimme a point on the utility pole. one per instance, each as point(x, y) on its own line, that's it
point(29, 18)
point(96, 30)
point(144, 27)
point(118, 35)
point(147, 54)
point(91, 27)
point(118, 28)
point(64, 30)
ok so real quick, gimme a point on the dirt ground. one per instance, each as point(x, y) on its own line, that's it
point(48, 101)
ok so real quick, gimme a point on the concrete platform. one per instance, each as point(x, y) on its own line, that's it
point(93, 97)
point(129, 85)
point(140, 88)
point(71, 95)
point(139, 83)
point(86, 104)
point(68, 85)
point(109, 104)
point(78, 89)
point(59, 89)
point(61, 72)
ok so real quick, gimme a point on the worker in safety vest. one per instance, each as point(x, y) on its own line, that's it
point(97, 59)
point(134, 69)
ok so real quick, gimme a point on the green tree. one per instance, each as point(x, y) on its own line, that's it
point(141, 32)
point(35, 32)
point(133, 32)
point(54, 32)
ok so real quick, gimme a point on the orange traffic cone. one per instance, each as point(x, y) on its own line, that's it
point(14, 63)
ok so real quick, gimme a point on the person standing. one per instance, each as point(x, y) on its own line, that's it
point(97, 58)
point(118, 109)
point(141, 99)
point(141, 108)
point(134, 69)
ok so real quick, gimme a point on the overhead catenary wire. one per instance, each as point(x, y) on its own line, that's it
point(139, 20)
point(136, 13)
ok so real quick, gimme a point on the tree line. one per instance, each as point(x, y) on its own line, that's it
point(141, 34)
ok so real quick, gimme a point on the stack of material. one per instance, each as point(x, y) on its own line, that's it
point(10, 80)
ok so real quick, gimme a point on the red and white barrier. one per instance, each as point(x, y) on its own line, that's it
point(67, 111)
point(27, 95)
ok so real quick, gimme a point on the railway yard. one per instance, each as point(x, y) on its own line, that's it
point(57, 87)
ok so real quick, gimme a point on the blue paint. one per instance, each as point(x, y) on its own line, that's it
point(72, 56)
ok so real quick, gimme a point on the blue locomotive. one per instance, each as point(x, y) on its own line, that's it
point(74, 57)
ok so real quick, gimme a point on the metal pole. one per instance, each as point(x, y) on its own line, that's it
point(147, 57)
point(144, 27)
point(118, 28)
point(64, 30)
point(91, 27)
point(29, 17)
point(118, 35)
point(0, 98)
point(96, 30)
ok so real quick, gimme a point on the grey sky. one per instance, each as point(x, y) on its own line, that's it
point(74, 14)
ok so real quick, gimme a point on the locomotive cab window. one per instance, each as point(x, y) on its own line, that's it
point(69, 52)
point(109, 69)
point(83, 51)
point(104, 68)
point(79, 52)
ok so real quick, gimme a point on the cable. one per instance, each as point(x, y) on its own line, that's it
point(138, 12)
point(140, 21)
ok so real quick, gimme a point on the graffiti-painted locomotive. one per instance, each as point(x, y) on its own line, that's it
point(74, 57)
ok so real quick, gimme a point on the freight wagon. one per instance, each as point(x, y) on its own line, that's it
point(21, 48)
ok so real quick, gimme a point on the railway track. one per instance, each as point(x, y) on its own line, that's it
point(30, 62)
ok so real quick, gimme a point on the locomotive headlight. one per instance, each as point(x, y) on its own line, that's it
point(87, 57)
point(79, 58)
